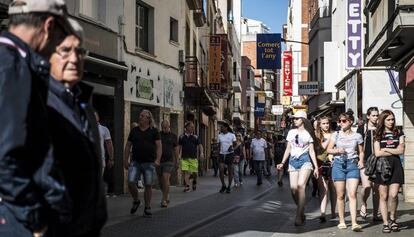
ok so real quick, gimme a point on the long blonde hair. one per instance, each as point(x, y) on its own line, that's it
point(150, 117)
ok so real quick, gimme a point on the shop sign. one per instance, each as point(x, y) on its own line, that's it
point(259, 109)
point(224, 64)
point(268, 51)
point(287, 73)
point(277, 109)
point(214, 75)
point(145, 88)
point(286, 100)
point(308, 88)
point(354, 50)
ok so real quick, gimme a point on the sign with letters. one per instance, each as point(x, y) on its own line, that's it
point(268, 50)
point(287, 73)
point(214, 75)
point(354, 50)
point(308, 88)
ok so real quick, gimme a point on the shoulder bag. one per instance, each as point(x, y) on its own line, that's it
point(371, 162)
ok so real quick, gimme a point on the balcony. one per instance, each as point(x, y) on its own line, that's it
point(390, 30)
point(195, 4)
point(199, 17)
point(195, 83)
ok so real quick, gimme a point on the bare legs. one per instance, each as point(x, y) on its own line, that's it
point(388, 192)
point(352, 186)
point(367, 186)
point(298, 181)
point(325, 186)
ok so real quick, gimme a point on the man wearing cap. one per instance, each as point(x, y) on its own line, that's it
point(30, 189)
point(76, 139)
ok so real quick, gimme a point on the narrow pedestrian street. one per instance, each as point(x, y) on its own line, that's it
point(250, 210)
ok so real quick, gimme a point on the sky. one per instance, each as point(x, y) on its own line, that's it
point(272, 13)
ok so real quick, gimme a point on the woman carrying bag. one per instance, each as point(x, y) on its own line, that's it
point(324, 133)
point(388, 145)
point(346, 167)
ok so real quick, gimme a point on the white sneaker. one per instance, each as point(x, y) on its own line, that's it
point(140, 185)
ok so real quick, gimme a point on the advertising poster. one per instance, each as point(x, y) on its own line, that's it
point(268, 50)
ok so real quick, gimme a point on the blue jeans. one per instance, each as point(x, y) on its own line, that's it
point(238, 172)
point(299, 163)
point(146, 169)
point(343, 169)
point(258, 169)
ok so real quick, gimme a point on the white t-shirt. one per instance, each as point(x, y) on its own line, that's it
point(348, 142)
point(299, 142)
point(258, 147)
point(226, 140)
point(104, 135)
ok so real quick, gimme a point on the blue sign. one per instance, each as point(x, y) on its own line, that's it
point(259, 109)
point(268, 50)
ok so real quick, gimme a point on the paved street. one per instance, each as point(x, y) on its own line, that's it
point(248, 211)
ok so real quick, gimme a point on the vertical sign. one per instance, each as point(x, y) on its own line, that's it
point(354, 34)
point(287, 73)
point(268, 51)
point(214, 70)
point(224, 63)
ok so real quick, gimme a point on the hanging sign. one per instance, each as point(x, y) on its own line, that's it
point(268, 51)
point(287, 73)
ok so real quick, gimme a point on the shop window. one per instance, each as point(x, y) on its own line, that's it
point(173, 30)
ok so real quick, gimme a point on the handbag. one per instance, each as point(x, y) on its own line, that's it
point(326, 169)
point(371, 162)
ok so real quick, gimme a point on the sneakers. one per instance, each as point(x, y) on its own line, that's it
point(135, 206)
point(228, 190)
point(140, 185)
point(223, 188)
point(147, 212)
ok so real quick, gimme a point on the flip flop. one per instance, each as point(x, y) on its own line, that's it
point(342, 226)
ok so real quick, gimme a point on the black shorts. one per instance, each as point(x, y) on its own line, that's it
point(226, 159)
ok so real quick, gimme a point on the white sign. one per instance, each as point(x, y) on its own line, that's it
point(354, 49)
point(277, 109)
point(308, 88)
point(351, 101)
point(379, 89)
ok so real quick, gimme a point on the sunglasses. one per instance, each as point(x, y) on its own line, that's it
point(296, 118)
point(343, 121)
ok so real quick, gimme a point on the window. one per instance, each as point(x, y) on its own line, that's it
point(173, 30)
point(141, 31)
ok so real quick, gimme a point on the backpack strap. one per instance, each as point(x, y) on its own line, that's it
point(9, 42)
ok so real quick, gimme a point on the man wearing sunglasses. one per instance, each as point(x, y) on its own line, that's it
point(76, 139)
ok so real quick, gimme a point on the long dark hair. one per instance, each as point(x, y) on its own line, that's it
point(381, 125)
point(319, 132)
point(310, 129)
point(369, 112)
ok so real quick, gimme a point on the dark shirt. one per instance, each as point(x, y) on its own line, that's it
point(144, 148)
point(238, 151)
point(389, 140)
point(169, 143)
point(189, 144)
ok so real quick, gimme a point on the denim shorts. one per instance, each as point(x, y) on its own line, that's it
point(165, 167)
point(343, 169)
point(136, 169)
point(10, 226)
point(302, 162)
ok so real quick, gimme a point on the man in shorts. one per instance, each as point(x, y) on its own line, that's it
point(168, 160)
point(146, 154)
point(189, 146)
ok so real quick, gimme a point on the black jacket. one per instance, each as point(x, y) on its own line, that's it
point(30, 185)
point(76, 147)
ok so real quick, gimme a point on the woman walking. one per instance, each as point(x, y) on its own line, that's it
point(346, 167)
point(325, 183)
point(368, 133)
point(238, 160)
point(388, 145)
point(301, 150)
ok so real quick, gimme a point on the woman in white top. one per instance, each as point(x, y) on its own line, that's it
point(301, 151)
point(346, 167)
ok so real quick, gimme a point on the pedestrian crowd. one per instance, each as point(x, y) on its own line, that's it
point(52, 146)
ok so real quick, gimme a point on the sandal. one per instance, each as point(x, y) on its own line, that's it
point(363, 214)
point(356, 228)
point(394, 226)
point(386, 229)
point(164, 204)
point(342, 226)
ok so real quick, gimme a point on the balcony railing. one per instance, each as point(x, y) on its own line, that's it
point(195, 75)
point(195, 4)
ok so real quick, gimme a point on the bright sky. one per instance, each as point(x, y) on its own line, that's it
point(272, 13)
